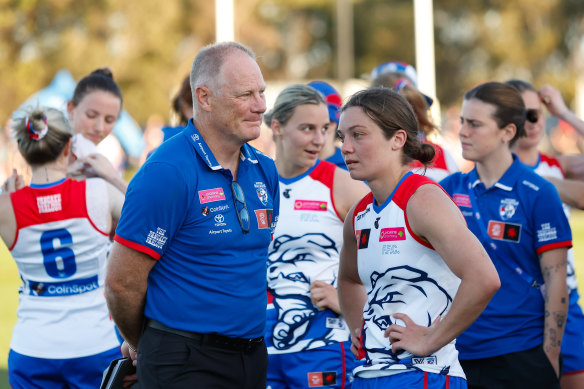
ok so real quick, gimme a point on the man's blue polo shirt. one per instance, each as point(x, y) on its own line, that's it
point(210, 276)
point(523, 217)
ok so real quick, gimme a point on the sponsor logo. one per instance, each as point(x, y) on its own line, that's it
point(210, 195)
point(273, 225)
point(286, 193)
point(546, 232)
point(157, 239)
point(392, 234)
point(205, 211)
point(220, 208)
point(376, 223)
point(195, 137)
point(425, 361)
point(219, 220)
point(363, 238)
point(47, 204)
point(462, 200)
point(507, 208)
point(320, 379)
point(264, 218)
point(53, 289)
point(389, 249)
point(221, 231)
point(504, 231)
point(309, 218)
point(310, 205)
point(467, 213)
point(362, 214)
point(262, 192)
point(334, 323)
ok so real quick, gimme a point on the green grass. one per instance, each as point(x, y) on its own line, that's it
point(9, 283)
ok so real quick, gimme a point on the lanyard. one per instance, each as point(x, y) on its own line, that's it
point(491, 246)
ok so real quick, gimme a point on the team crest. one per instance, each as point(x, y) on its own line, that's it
point(507, 208)
point(262, 192)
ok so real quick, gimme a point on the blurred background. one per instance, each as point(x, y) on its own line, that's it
point(47, 45)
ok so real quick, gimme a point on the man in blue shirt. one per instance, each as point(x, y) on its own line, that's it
point(186, 278)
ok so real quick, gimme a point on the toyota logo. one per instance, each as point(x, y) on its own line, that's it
point(219, 218)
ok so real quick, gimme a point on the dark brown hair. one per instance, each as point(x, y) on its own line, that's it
point(392, 112)
point(183, 97)
point(509, 106)
point(100, 79)
point(412, 95)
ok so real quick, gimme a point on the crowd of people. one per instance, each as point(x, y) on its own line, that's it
point(360, 256)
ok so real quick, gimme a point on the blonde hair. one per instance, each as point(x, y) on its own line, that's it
point(41, 134)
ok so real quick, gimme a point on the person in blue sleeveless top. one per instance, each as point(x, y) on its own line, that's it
point(308, 340)
point(412, 276)
point(518, 215)
point(186, 279)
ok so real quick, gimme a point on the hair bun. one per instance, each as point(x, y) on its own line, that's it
point(105, 71)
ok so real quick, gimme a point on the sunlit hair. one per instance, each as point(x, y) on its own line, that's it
point(100, 79)
point(509, 106)
point(401, 83)
point(39, 150)
point(183, 97)
point(208, 62)
point(289, 98)
point(392, 112)
point(521, 85)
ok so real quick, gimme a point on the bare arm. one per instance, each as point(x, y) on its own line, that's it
point(346, 191)
point(572, 165)
point(553, 267)
point(116, 201)
point(443, 226)
point(352, 294)
point(553, 101)
point(99, 166)
point(571, 191)
point(125, 289)
point(7, 220)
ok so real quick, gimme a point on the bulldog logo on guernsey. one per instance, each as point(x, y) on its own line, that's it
point(392, 234)
point(210, 195)
point(310, 205)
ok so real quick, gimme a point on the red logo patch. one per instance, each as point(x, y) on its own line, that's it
point(504, 231)
point(320, 379)
point(264, 217)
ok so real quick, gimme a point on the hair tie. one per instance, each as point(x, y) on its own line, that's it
point(401, 83)
point(32, 134)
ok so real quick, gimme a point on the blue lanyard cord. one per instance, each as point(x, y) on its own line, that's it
point(491, 246)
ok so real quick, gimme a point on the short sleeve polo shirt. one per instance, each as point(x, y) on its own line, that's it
point(523, 217)
point(210, 276)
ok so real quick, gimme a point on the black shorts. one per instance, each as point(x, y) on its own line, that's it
point(170, 361)
point(524, 369)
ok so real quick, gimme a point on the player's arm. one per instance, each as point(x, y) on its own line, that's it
point(125, 289)
point(352, 294)
point(347, 191)
point(553, 101)
point(553, 265)
point(571, 191)
point(444, 227)
point(7, 220)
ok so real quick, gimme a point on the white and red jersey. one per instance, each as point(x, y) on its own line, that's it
point(441, 166)
point(402, 274)
point(306, 247)
point(60, 251)
point(550, 167)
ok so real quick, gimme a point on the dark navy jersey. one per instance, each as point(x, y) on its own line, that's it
point(521, 217)
point(180, 209)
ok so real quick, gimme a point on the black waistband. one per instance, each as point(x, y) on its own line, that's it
point(225, 342)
